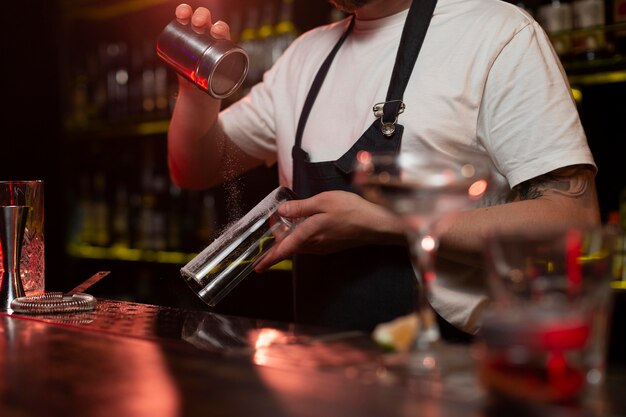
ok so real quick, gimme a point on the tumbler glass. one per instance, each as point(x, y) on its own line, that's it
point(545, 338)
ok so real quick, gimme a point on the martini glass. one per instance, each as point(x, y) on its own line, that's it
point(426, 192)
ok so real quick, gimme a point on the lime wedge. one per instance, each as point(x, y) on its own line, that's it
point(397, 335)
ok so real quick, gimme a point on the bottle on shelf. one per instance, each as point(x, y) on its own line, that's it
point(161, 91)
point(135, 84)
point(557, 19)
point(267, 37)
point(152, 224)
point(618, 16)
point(617, 222)
point(78, 113)
point(116, 61)
point(235, 23)
point(120, 230)
point(614, 224)
point(622, 208)
point(206, 228)
point(148, 82)
point(589, 40)
point(285, 30)
point(82, 229)
point(100, 211)
point(251, 43)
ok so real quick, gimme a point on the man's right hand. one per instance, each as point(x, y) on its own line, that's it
point(201, 21)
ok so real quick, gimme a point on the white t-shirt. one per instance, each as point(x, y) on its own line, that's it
point(487, 76)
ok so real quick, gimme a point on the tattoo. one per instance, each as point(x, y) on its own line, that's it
point(572, 181)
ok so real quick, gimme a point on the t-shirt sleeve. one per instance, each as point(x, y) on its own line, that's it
point(528, 118)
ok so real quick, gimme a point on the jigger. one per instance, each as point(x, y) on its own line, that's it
point(12, 226)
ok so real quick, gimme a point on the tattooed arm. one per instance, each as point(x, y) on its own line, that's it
point(574, 181)
point(564, 197)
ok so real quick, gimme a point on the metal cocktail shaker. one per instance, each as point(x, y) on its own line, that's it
point(216, 66)
point(12, 226)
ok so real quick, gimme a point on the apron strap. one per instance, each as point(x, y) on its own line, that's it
point(317, 84)
point(413, 35)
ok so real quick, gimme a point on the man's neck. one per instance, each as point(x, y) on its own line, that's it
point(377, 9)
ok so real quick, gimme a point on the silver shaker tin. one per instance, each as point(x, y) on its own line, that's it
point(216, 66)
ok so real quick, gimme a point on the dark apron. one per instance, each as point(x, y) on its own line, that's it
point(357, 288)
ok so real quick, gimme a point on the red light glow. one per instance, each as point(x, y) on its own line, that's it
point(477, 189)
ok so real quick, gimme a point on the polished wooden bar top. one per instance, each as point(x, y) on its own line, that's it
point(129, 359)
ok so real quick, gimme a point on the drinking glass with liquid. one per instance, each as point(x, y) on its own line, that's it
point(545, 338)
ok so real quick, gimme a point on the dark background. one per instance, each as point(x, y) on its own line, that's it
point(30, 117)
point(34, 146)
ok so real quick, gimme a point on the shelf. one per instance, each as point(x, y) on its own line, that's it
point(121, 253)
point(605, 77)
point(605, 66)
point(618, 285)
point(103, 130)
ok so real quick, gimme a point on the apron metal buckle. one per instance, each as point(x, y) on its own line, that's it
point(378, 107)
point(387, 128)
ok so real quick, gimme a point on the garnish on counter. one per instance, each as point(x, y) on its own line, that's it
point(397, 335)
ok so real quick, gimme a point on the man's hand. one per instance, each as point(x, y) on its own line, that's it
point(201, 21)
point(333, 221)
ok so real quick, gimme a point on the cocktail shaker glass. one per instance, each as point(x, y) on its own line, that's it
point(215, 271)
point(216, 66)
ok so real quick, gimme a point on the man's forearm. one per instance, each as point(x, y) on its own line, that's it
point(195, 141)
point(564, 198)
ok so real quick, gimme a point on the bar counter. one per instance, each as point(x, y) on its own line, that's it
point(130, 359)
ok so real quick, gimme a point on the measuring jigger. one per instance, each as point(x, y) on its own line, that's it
point(12, 226)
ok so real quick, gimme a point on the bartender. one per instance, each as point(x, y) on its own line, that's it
point(481, 73)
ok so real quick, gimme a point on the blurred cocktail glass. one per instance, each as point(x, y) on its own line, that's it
point(425, 191)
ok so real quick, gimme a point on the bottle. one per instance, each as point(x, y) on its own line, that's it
point(266, 37)
point(119, 223)
point(252, 45)
point(589, 20)
point(618, 16)
point(79, 91)
point(100, 211)
point(557, 19)
point(148, 82)
point(235, 22)
point(84, 229)
point(622, 208)
point(117, 81)
point(135, 81)
point(207, 224)
point(621, 218)
point(614, 226)
point(285, 30)
point(175, 212)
